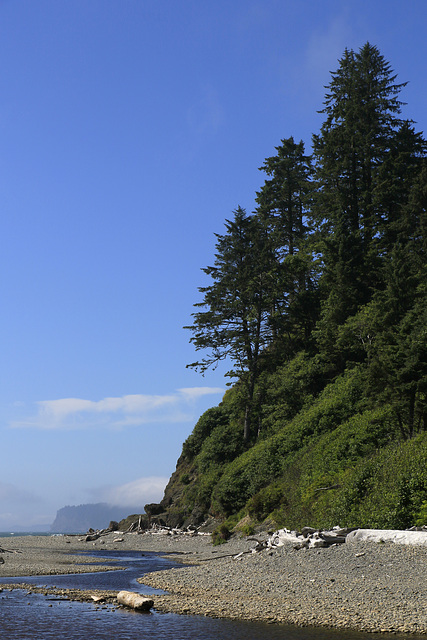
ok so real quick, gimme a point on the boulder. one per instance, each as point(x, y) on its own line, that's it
point(153, 509)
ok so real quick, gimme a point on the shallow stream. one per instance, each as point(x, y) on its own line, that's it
point(30, 616)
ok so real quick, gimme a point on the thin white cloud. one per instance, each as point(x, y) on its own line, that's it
point(205, 115)
point(13, 494)
point(324, 48)
point(133, 494)
point(306, 75)
point(116, 412)
point(193, 393)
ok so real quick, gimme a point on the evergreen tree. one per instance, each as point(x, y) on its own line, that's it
point(362, 117)
point(283, 208)
point(235, 320)
point(401, 169)
point(285, 197)
point(367, 159)
point(398, 369)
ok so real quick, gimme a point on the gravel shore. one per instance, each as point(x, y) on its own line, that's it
point(366, 586)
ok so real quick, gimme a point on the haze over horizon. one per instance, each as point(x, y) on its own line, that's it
point(129, 133)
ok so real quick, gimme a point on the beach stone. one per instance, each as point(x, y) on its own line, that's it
point(98, 598)
point(375, 587)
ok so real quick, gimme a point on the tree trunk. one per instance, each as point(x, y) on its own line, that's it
point(247, 426)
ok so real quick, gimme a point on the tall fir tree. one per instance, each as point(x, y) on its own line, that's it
point(362, 115)
point(284, 199)
point(284, 209)
point(234, 321)
point(356, 168)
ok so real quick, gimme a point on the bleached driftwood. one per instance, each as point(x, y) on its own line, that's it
point(134, 600)
point(309, 538)
point(385, 535)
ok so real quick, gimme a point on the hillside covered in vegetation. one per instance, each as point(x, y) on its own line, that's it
point(318, 301)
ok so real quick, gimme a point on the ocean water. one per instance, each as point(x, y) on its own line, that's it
point(10, 534)
point(28, 616)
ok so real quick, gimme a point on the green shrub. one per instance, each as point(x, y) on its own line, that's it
point(247, 530)
point(422, 515)
point(321, 458)
point(221, 534)
point(269, 458)
point(386, 490)
point(266, 501)
point(223, 445)
point(207, 422)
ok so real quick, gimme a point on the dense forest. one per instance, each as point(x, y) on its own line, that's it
point(317, 298)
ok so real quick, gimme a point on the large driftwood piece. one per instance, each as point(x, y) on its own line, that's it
point(134, 601)
point(380, 535)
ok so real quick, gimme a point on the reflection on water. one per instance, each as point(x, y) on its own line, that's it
point(26, 616)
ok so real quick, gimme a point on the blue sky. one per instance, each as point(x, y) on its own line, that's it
point(129, 131)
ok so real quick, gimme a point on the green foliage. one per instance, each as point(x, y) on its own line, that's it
point(292, 387)
point(221, 534)
point(386, 490)
point(339, 461)
point(320, 302)
point(422, 515)
point(207, 423)
point(266, 501)
point(223, 445)
point(198, 493)
point(267, 459)
point(247, 529)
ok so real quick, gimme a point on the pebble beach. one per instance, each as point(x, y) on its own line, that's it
point(365, 587)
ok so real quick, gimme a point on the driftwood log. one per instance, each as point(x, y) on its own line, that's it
point(134, 601)
point(92, 535)
point(136, 527)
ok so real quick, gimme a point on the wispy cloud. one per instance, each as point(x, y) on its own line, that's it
point(194, 393)
point(324, 48)
point(132, 494)
point(13, 494)
point(115, 412)
point(205, 115)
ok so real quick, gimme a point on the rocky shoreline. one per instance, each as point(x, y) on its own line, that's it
point(365, 587)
